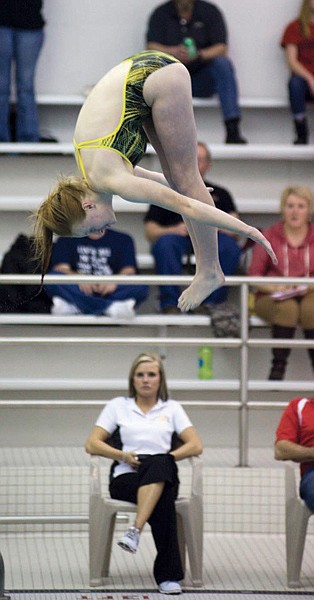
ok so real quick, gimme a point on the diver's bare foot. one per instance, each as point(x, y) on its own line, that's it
point(200, 288)
point(258, 237)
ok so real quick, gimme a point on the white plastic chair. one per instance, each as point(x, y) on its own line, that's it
point(297, 516)
point(103, 512)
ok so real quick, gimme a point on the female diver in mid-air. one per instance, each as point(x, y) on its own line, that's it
point(147, 97)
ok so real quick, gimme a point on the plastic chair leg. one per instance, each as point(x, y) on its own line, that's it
point(296, 526)
point(101, 533)
point(193, 533)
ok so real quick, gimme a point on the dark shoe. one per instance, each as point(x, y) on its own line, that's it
point(302, 131)
point(278, 370)
point(233, 133)
point(203, 309)
point(46, 138)
point(280, 355)
point(171, 310)
point(309, 335)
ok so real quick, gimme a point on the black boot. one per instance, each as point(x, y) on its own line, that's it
point(233, 133)
point(280, 355)
point(309, 335)
point(302, 131)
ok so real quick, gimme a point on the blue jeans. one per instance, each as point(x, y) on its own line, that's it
point(299, 93)
point(307, 489)
point(168, 252)
point(95, 305)
point(23, 47)
point(218, 77)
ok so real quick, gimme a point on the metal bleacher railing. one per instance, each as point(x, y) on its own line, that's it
point(243, 344)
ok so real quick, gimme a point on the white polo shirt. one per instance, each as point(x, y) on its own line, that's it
point(149, 433)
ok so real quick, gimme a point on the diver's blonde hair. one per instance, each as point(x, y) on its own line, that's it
point(145, 357)
point(57, 214)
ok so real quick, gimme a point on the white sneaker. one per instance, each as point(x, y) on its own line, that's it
point(121, 309)
point(130, 540)
point(170, 587)
point(62, 307)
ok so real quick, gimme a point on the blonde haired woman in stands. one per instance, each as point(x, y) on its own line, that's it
point(286, 306)
point(145, 98)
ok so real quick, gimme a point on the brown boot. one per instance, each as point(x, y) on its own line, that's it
point(280, 355)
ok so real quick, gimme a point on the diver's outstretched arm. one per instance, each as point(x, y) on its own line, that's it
point(139, 189)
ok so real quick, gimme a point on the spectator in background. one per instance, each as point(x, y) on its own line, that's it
point(298, 42)
point(170, 242)
point(18, 260)
point(106, 252)
point(21, 40)
point(295, 441)
point(172, 26)
point(286, 306)
point(222, 197)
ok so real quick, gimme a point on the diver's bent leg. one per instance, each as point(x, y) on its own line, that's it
point(208, 274)
point(168, 92)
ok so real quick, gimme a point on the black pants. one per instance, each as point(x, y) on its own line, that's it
point(163, 522)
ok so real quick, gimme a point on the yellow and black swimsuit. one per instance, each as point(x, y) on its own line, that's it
point(129, 138)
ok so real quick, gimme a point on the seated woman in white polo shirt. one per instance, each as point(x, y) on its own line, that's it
point(144, 469)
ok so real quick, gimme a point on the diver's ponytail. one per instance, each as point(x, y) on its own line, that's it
point(56, 214)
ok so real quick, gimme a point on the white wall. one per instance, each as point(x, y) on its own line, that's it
point(84, 38)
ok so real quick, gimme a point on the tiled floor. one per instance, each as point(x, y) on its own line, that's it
point(140, 595)
point(76, 456)
point(51, 565)
point(232, 562)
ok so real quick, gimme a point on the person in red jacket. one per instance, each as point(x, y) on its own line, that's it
point(298, 42)
point(295, 441)
point(284, 306)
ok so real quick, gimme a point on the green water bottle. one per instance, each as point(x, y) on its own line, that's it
point(205, 370)
point(191, 47)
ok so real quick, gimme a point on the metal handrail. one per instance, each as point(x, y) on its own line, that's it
point(235, 280)
point(244, 342)
point(43, 519)
point(126, 341)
